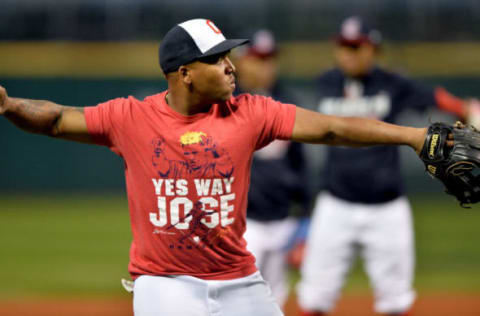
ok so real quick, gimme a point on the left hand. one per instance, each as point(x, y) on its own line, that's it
point(296, 254)
point(473, 113)
point(456, 168)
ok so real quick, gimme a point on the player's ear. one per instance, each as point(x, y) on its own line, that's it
point(185, 74)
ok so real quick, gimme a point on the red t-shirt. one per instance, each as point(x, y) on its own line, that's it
point(187, 179)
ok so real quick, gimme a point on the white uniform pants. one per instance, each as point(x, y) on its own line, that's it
point(190, 296)
point(383, 236)
point(268, 241)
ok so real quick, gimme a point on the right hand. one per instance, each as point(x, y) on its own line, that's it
point(3, 100)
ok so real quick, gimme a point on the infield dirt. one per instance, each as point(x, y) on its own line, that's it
point(349, 305)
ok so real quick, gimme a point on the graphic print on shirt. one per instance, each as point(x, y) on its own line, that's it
point(355, 103)
point(194, 192)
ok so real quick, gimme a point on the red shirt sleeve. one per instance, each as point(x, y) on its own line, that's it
point(450, 103)
point(105, 120)
point(274, 119)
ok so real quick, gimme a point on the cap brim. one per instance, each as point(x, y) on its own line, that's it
point(224, 46)
point(262, 55)
point(340, 40)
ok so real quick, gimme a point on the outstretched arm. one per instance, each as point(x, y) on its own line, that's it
point(316, 128)
point(45, 117)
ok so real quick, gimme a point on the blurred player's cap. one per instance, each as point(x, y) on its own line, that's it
point(262, 45)
point(354, 31)
point(191, 40)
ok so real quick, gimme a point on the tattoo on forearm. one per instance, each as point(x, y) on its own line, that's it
point(35, 116)
point(329, 138)
point(36, 108)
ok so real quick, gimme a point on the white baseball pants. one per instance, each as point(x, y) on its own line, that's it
point(268, 241)
point(381, 233)
point(190, 296)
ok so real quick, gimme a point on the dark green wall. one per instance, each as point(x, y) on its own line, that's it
point(35, 163)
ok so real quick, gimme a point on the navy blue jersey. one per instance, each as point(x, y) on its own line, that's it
point(278, 180)
point(278, 175)
point(371, 174)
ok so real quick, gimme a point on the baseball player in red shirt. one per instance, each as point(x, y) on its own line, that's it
point(187, 153)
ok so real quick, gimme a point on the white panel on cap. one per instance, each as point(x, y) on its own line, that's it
point(351, 28)
point(204, 33)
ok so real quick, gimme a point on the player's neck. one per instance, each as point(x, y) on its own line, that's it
point(186, 104)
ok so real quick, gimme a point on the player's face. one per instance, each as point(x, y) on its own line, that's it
point(159, 146)
point(355, 60)
point(213, 78)
point(195, 156)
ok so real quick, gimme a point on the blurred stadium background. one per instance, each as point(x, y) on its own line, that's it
point(64, 229)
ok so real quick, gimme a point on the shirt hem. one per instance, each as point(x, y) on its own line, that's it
point(227, 275)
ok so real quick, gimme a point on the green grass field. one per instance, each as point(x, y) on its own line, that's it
point(63, 246)
point(67, 246)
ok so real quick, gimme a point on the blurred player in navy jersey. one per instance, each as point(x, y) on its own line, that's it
point(278, 178)
point(362, 209)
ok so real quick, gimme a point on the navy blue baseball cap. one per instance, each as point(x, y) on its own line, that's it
point(354, 31)
point(192, 40)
